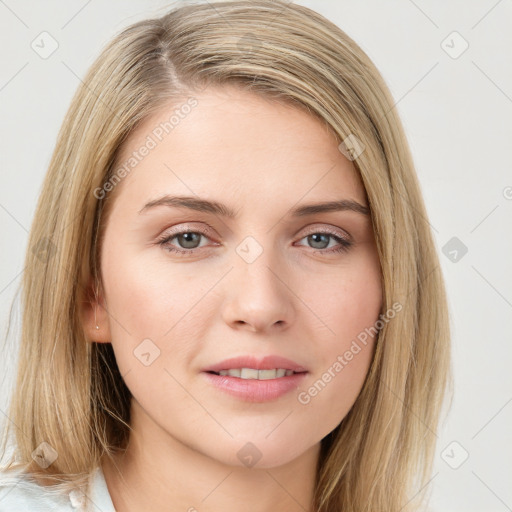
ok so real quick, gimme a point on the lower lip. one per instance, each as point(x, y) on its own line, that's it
point(254, 390)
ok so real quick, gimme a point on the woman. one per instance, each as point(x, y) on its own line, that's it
point(232, 293)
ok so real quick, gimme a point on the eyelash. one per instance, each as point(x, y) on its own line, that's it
point(165, 240)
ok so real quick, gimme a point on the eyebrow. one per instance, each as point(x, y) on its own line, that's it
point(203, 205)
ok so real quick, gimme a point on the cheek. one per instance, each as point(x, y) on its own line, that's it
point(350, 306)
point(149, 297)
point(348, 300)
point(147, 306)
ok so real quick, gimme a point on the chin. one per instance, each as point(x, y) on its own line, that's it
point(263, 453)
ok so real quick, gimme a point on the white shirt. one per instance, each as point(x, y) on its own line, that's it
point(19, 495)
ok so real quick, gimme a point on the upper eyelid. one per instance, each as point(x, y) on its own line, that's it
point(330, 230)
point(187, 228)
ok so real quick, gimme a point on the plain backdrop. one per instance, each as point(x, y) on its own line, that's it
point(449, 67)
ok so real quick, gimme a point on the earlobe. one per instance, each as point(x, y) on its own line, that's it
point(94, 316)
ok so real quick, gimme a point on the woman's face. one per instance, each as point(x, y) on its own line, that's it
point(188, 288)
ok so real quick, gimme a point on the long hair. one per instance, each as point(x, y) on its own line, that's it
point(69, 393)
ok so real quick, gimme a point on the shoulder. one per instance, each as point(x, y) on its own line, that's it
point(19, 493)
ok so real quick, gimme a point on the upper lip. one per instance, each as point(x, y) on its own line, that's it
point(258, 363)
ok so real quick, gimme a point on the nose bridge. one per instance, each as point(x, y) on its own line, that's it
point(259, 296)
point(258, 264)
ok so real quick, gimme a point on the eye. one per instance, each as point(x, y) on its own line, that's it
point(188, 241)
point(321, 240)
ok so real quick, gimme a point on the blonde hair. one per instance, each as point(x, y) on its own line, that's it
point(69, 392)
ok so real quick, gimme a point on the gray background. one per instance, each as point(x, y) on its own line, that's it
point(457, 109)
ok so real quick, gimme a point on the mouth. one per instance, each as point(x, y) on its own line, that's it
point(254, 374)
point(253, 379)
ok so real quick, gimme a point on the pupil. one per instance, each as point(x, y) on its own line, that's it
point(317, 238)
point(187, 240)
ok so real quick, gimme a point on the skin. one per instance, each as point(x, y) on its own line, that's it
point(297, 300)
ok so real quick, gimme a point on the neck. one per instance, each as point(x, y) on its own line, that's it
point(159, 473)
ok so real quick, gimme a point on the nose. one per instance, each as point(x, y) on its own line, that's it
point(258, 298)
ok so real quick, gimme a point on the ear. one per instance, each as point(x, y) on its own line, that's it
point(93, 313)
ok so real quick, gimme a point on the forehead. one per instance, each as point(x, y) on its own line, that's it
point(238, 143)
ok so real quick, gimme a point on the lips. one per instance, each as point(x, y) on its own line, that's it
point(250, 362)
point(253, 379)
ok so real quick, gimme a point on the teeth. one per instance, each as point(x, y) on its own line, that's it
point(266, 374)
point(248, 373)
point(251, 373)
